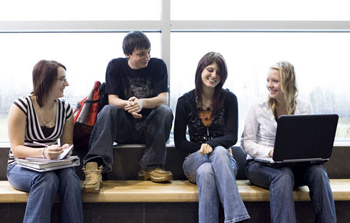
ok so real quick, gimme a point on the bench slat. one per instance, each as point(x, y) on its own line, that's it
point(176, 191)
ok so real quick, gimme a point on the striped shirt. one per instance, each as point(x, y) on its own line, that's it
point(34, 131)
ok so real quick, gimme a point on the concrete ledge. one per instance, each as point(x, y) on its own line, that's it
point(126, 191)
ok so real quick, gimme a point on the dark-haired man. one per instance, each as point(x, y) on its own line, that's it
point(137, 88)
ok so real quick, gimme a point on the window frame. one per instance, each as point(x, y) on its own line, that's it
point(166, 26)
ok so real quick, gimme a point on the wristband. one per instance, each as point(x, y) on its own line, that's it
point(43, 153)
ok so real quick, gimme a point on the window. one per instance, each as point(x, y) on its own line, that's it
point(85, 35)
point(88, 10)
point(268, 10)
point(318, 59)
point(85, 55)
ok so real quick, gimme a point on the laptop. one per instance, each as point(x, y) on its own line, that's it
point(303, 139)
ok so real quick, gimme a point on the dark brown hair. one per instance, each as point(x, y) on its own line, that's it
point(44, 77)
point(135, 40)
point(205, 61)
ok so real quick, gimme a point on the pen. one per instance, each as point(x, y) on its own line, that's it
point(42, 144)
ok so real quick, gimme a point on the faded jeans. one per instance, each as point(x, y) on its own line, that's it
point(116, 125)
point(215, 175)
point(43, 187)
point(281, 182)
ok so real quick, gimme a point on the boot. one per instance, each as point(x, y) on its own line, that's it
point(93, 178)
point(157, 175)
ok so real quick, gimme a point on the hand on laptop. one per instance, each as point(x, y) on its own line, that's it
point(271, 153)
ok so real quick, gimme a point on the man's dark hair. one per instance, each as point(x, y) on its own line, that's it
point(135, 40)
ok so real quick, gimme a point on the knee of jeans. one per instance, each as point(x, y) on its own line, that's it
point(109, 109)
point(317, 172)
point(220, 150)
point(191, 175)
point(110, 112)
point(48, 180)
point(224, 157)
point(285, 177)
point(165, 111)
point(69, 178)
point(205, 172)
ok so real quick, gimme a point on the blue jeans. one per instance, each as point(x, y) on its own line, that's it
point(43, 187)
point(116, 125)
point(281, 182)
point(215, 175)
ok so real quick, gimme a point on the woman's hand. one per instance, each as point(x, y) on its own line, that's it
point(52, 152)
point(205, 149)
point(271, 153)
point(229, 150)
point(65, 146)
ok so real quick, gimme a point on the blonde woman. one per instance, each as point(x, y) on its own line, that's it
point(258, 140)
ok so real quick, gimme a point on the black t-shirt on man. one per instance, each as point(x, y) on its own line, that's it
point(125, 82)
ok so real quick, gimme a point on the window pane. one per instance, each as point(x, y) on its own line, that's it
point(319, 59)
point(259, 10)
point(39, 10)
point(85, 55)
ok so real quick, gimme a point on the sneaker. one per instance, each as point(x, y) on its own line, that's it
point(157, 175)
point(93, 178)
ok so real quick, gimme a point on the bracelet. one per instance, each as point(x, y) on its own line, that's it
point(43, 153)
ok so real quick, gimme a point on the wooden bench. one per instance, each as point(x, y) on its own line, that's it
point(125, 198)
point(124, 191)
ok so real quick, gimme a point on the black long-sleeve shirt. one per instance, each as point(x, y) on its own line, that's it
point(222, 131)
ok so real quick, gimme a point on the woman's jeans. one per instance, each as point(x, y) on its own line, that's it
point(43, 187)
point(116, 125)
point(281, 181)
point(215, 175)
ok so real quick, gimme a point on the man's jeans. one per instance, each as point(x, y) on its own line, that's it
point(215, 175)
point(116, 125)
point(43, 187)
point(281, 181)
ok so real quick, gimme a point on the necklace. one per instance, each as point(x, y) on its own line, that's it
point(51, 123)
point(201, 106)
point(204, 114)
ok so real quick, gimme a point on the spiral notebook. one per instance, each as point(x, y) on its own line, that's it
point(303, 139)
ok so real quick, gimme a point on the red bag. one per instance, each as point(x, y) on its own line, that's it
point(85, 115)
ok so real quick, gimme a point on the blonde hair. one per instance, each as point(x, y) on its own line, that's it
point(288, 86)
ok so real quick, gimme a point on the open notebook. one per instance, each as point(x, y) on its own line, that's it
point(303, 139)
